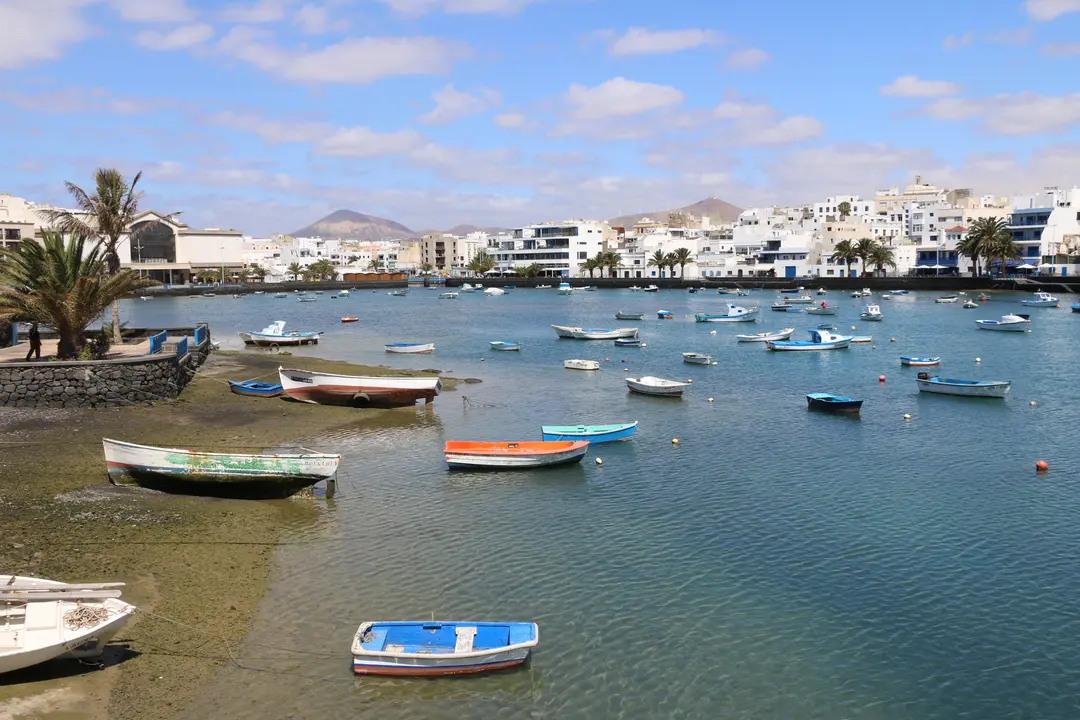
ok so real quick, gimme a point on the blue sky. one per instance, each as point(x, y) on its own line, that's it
point(264, 115)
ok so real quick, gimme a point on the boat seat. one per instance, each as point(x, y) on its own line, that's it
point(465, 637)
point(10, 639)
point(41, 615)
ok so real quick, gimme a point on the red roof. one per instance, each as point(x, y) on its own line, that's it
point(957, 229)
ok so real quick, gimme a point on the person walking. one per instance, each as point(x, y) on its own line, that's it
point(35, 343)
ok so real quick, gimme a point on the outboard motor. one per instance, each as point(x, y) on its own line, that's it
point(924, 376)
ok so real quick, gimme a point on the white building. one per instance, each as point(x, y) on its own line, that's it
point(560, 248)
point(831, 207)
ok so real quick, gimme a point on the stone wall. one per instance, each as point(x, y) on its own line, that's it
point(98, 383)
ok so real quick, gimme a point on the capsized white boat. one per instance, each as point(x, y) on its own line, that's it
point(649, 385)
point(578, 364)
point(1007, 323)
point(766, 336)
point(41, 620)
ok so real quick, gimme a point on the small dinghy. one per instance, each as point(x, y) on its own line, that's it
point(275, 334)
point(651, 288)
point(629, 316)
point(919, 361)
point(410, 348)
point(42, 620)
point(603, 334)
point(448, 296)
point(872, 312)
point(513, 455)
point(819, 340)
point(440, 648)
point(504, 345)
point(695, 358)
point(970, 305)
point(578, 364)
point(766, 336)
point(1041, 299)
point(255, 389)
point(833, 403)
point(735, 313)
point(349, 319)
point(966, 388)
point(629, 342)
point(594, 434)
point(398, 293)
point(861, 339)
point(649, 385)
point(1007, 323)
point(822, 309)
point(946, 299)
point(665, 315)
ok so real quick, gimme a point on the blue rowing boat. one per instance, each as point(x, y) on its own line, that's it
point(593, 433)
point(629, 342)
point(440, 648)
point(833, 403)
point(255, 389)
point(504, 345)
point(916, 361)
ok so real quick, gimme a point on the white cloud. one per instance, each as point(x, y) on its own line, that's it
point(620, 97)
point(1025, 113)
point(81, 100)
point(315, 20)
point(955, 42)
point(36, 30)
point(261, 11)
point(1044, 10)
point(451, 104)
point(361, 142)
point(1019, 36)
point(642, 41)
point(1060, 49)
point(759, 124)
point(458, 7)
point(746, 59)
point(911, 86)
point(354, 60)
point(855, 168)
point(183, 37)
point(511, 120)
point(150, 11)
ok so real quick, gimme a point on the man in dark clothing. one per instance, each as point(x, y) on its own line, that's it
point(35, 343)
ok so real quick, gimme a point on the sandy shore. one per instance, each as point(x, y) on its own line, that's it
point(201, 562)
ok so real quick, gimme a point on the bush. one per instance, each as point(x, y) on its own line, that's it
point(97, 344)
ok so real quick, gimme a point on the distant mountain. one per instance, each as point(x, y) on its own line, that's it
point(349, 225)
point(717, 210)
point(464, 230)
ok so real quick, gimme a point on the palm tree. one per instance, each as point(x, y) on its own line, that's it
point(863, 248)
point(612, 261)
point(106, 215)
point(658, 260)
point(880, 257)
point(67, 286)
point(589, 266)
point(983, 234)
point(481, 263)
point(1002, 247)
point(296, 270)
point(427, 267)
point(844, 251)
point(844, 209)
point(257, 272)
point(682, 256)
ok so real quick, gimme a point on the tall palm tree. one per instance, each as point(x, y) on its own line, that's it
point(844, 209)
point(880, 257)
point(65, 285)
point(844, 251)
point(589, 266)
point(481, 263)
point(296, 270)
point(1002, 247)
point(983, 233)
point(257, 272)
point(612, 261)
point(658, 260)
point(682, 257)
point(862, 249)
point(106, 215)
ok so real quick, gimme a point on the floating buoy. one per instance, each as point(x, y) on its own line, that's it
point(873, 347)
point(607, 359)
point(710, 399)
point(978, 359)
point(715, 363)
point(599, 461)
point(644, 345)
point(881, 378)
point(1041, 466)
point(674, 441)
point(907, 417)
point(892, 339)
point(626, 369)
point(852, 327)
point(1032, 403)
point(712, 332)
point(689, 380)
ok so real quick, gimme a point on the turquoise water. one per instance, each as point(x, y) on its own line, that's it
point(776, 563)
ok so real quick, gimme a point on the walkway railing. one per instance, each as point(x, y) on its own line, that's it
point(181, 347)
point(200, 335)
point(158, 341)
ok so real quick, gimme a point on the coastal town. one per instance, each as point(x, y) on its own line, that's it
point(917, 230)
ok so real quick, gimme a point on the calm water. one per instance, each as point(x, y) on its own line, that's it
point(775, 564)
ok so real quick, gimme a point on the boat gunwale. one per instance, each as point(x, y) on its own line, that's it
point(442, 656)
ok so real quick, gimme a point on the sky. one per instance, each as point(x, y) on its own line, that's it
point(265, 115)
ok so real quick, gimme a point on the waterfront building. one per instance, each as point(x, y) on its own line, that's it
point(18, 220)
point(171, 252)
point(560, 247)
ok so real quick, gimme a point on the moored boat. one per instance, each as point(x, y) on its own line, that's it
point(449, 295)
point(649, 385)
point(466, 288)
point(355, 390)
point(410, 348)
point(398, 293)
point(252, 388)
point(651, 288)
point(919, 360)
point(823, 309)
point(803, 299)
point(781, 306)
point(1007, 323)
point(946, 299)
point(792, 291)
point(275, 334)
point(1075, 307)
point(565, 289)
point(579, 333)
point(594, 434)
point(504, 345)
point(665, 315)
point(503, 455)
point(629, 316)
point(966, 388)
point(629, 342)
point(819, 340)
point(696, 358)
point(215, 474)
point(429, 648)
point(734, 313)
point(1041, 299)
point(766, 336)
point(579, 364)
point(872, 312)
point(970, 305)
point(861, 339)
point(349, 319)
point(833, 403)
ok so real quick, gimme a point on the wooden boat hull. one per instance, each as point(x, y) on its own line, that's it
point(833, 403)
point(504, 346)
point(255, 389)
point(667, 389)
point(629, 316)
point(215, 474)
point(513, 455)
point(433, 649)
point(594, 434)
point(348, 319)
point(411, 348)
point(993, 389)
point(357, 391)
point(1002, 327)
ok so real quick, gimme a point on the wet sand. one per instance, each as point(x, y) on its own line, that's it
point(196, 568)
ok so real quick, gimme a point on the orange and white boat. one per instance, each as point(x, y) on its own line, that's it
point(348, 319)
point(500, 455)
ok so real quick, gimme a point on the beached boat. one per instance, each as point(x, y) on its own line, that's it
point(448, 295)
point(946, 299)
point(695, 358)
point(1041, 299)
point(410, 348)
point(565, 289)
point(629, 316)
point(217, 474)
point(42, 620)
point(1007, 323)
point(504, 455)
point(651, 288)
point(649, 385)
point(579, 364)
point(819, 340)
point(967, 388)
point(355, 390)
point(629, 342)
point(274, 334)
point(872, 312)
point(833, 403)
point(504, 345)
point(734, 313)
point(255, 389)
point(428, 648)
point(919, 361)
point(665, 315)
point(349, 319)
point(822, 309)
point(766, 336)
point(594, 434)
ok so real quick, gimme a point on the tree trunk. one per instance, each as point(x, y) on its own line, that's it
point(116, 322)
point(66, 347)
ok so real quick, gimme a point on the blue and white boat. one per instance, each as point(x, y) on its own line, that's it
point(833, 403)
point(629, 316)
point(504, 345)
point(734, 313)
point(665, 315)
point(1075, 307)
point(919, 361)
point(1041, 299)
point(792, 291)
point(629, 342)
point(565, 289)
point(819, 340)
point(1007, 323)
point(424, 648)
point(966, 388)
point(255, 389)
point(275, 334)
point(593, 433)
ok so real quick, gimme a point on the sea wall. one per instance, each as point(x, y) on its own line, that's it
point(99, 383)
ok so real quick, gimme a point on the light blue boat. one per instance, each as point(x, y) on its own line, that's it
point(428, 648)
point(593, 433)
point(629, 342)
point(819, 340)
point(504, 345)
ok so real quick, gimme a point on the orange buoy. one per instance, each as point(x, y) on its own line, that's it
point(1042, 466)
point(881, 378)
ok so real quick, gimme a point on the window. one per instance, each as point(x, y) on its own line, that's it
point(830, 271)
point(583, 256)
point(14, 233)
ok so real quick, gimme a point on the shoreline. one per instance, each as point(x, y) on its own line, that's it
point(202, 562)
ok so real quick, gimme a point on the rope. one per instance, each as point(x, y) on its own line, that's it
point(467, 402)
point(85, 617)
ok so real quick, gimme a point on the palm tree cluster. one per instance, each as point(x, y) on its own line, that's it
point(530, 271)
point(868, 251)
point(989, 239)
point(65, 284)
point(481, 263)
point(680, 258)
point(609, 260)
point(322, 270)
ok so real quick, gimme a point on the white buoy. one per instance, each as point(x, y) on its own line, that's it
point(712, 332)
point(674, 441)
point(978, 359)
point(710, 399)
point(907, 417)
point(689, 380)
point(599, 461)
point(1032, 403)
point(715, 363)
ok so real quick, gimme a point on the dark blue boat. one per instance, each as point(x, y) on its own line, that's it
point(254, 389)
point(833, 403)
